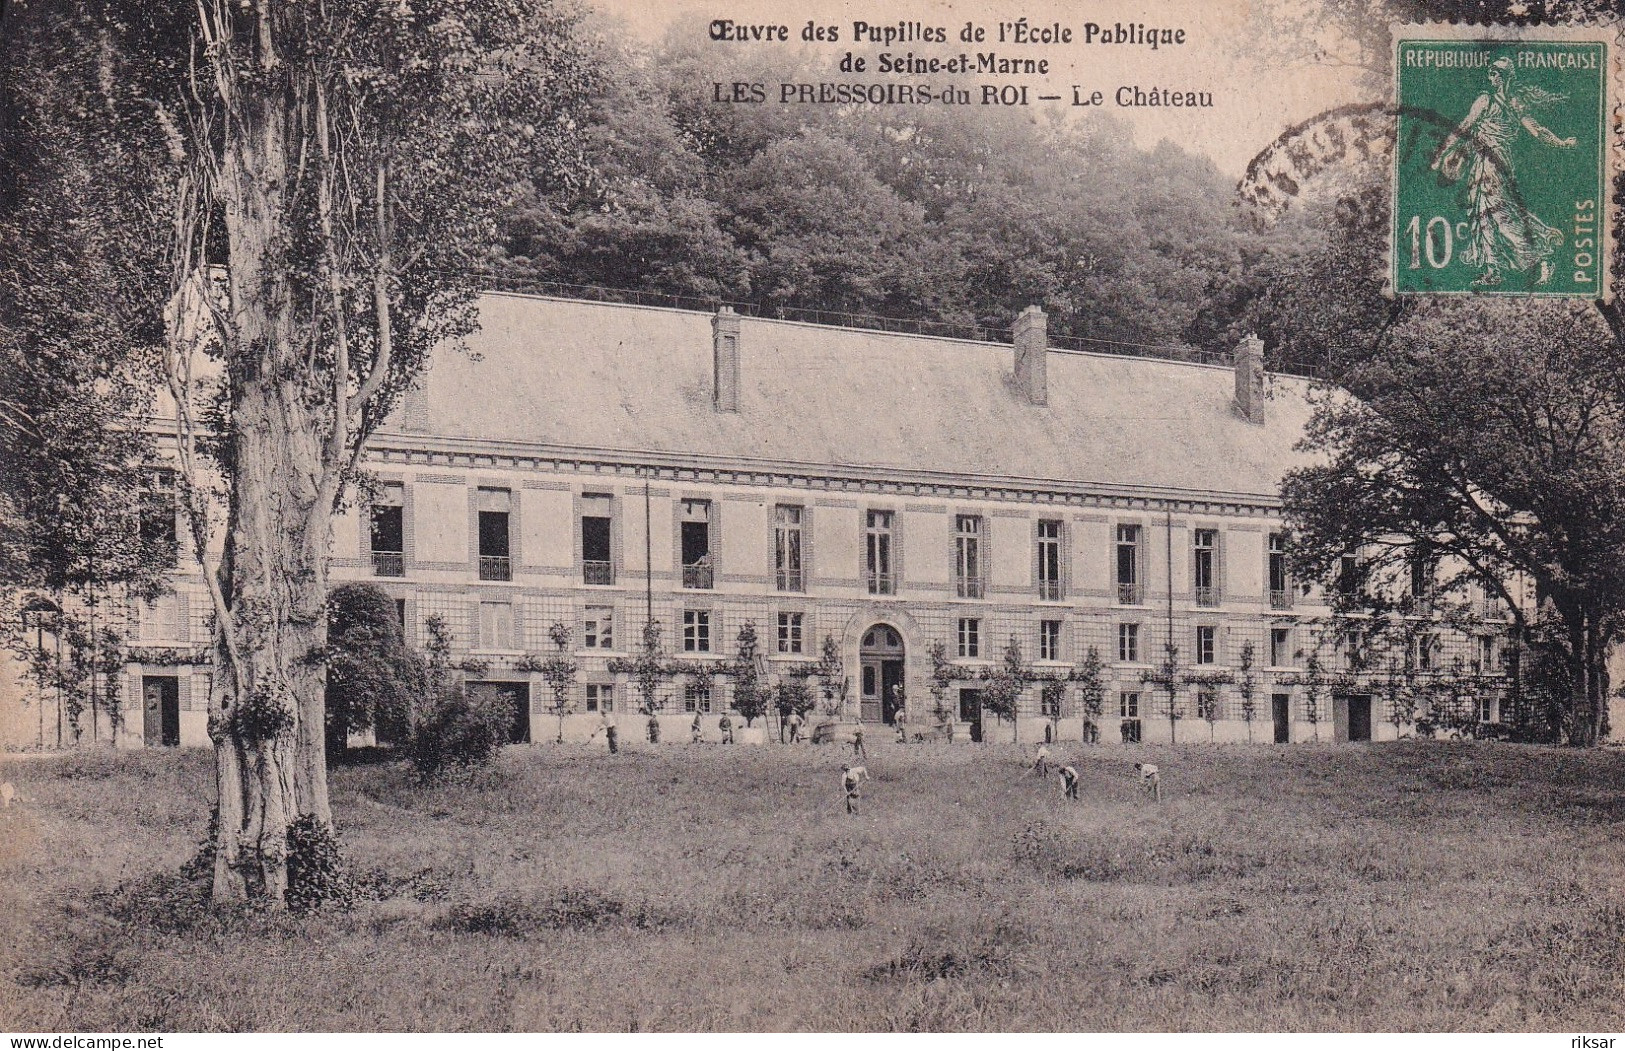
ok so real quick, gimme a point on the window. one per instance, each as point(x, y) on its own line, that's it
point(878, 553)
point(1423, 568)
point(496, 625)
point(1484, 709)
point(600, 697)
point(1207, 705)
point(598, 628)
point(1128, 643)
point(970, 637)
point(1049, 560)
point(1207, 644)
point(1128, 708)
point(1280, 647)
point(1280, 583)
point(787, 547)
point(1486, 655)
point(1128, 565)
point(597, 522)
point(1425, 647)
point(696, 631)
point(1049, 640)
point(1348, 575)
point(389, 531)
point(697, 697)
point(1205, 562)
point(968, 555)
point(494, 505)
point(696, 544)
point(158, 512)
point(790, 632)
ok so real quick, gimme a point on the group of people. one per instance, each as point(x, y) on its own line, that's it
point(1150, 777)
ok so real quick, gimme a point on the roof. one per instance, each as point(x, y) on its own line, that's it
point(605, 377)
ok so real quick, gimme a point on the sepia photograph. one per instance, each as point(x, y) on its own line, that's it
point(862, 516)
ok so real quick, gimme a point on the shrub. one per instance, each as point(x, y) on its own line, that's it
point(316, 875)
point(458, 734)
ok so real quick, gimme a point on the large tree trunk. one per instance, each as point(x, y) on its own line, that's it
point(269, 737)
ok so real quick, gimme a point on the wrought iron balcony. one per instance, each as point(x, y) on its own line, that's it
point(970, 587)
point(1207, 596)
point(1280, 599)
point(388, 564)
point(882, 583)
point(597, 572)
point(1130, 594)
point(1049, 590)
point(790, 580)
point(697, 576)
point(496, 567)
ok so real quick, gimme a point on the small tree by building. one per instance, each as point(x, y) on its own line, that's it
point(1091, 680)
point(1005, 683)
point(793, 695)
point(750, 693)
point(1247, 686)
point(832, 677)
point(371, 675)
point(943, 673)
point(1167, 678)
point(559, 672)
point(451, 732)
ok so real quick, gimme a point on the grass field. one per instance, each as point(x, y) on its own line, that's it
point(1411, 886)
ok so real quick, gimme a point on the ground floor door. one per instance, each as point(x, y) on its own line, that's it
point(161, 710)
point(514, 695)
point(880, 682)
point(1281, 713)
point(870, 697)
point(1359, 717)
point(970, 711)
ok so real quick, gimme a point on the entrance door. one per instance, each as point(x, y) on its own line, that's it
point(514, 695)
point(161, 710)
point(881, 680)
point(970, 711)
point(1280, 711)
point(1359, 717)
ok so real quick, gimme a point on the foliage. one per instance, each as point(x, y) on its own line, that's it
point(793, 694)
point(1004, 682)
point(452, 733)
point(1168, 677)
point(372, 678)
point(558, 670)
point(832, 677)
point(1091, 680)
point(1247, 685)
point(750, 694)
point(316, 875)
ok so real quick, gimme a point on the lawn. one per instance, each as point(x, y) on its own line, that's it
point(1424, 886)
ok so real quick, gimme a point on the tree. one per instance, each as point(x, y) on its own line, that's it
point(1168, 677)
point(1247, 685)
point(559, 671)
point(344, 163)
point(1004, 684)
point(371, 676)
point(1092, 693)
point(750, 693)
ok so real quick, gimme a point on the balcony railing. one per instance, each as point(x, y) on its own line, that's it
point(790, 580)
point(970, 587)
point(1130, 594)
point(697, 576)
point(496, 567)
point(1049, 590)
point(1280, 599)
point(882, 583)
point(388, 564)
point(593, 572)
point(1207, 596)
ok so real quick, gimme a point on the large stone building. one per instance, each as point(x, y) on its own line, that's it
point(600, 465)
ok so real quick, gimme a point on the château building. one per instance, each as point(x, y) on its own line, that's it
point(602, 466)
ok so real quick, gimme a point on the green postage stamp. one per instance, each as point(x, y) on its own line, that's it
point(1502, 161)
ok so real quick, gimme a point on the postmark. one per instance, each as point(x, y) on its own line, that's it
point(1502, 161)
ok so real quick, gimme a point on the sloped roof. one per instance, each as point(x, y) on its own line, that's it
point(611, 377)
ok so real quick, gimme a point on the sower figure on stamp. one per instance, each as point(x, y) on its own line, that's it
point(1503, 234)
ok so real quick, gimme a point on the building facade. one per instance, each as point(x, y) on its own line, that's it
point(598, 467)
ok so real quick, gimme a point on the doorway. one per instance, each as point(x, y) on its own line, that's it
point(514, 695)
point(881, 655)
point(1280, 712)
point(970, 711)
point(161, 711)
point(1358, 719)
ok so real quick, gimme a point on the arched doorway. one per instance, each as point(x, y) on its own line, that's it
point(880, 684)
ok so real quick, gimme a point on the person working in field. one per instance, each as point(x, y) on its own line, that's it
point(794, 724)
point(611, 732)
point(1041, 761)
point(851, 778)
point(1069, 782)
point(857, 743)
point(726, 725)
point(1150, 780)
point(900, 720)
point(695, 734)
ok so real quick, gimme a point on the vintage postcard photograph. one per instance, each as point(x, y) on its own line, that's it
point(725, 516)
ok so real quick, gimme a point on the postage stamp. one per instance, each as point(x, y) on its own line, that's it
point(1502, 161)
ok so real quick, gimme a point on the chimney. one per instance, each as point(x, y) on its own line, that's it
point(725, 355)
point(1249, 361)
point(1032, 350)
